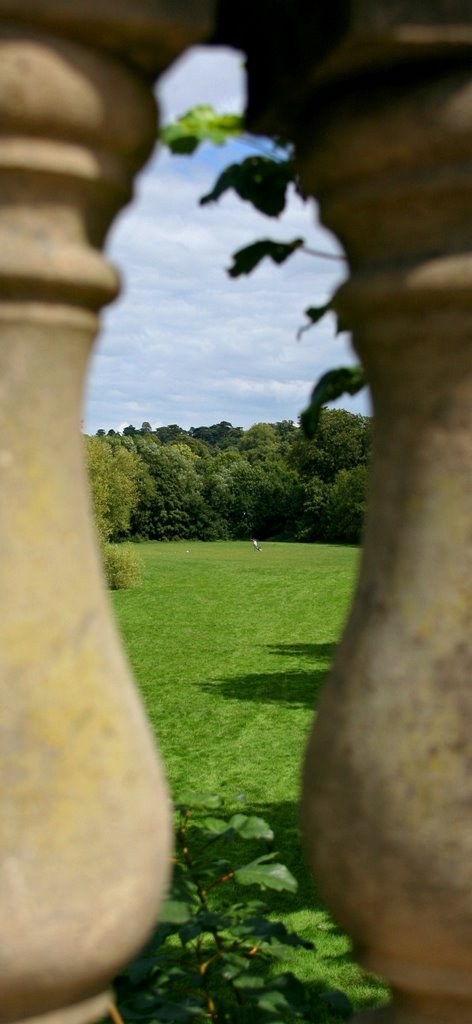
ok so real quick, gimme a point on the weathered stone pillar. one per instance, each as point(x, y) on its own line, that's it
point(85, 833)
point(387, 800)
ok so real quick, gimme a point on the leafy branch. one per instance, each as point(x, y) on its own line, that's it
point(264, 182)
point(210, 956)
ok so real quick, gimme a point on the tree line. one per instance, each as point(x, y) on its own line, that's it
point(222, 482)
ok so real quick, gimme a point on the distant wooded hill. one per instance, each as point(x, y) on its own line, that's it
point(223, 482)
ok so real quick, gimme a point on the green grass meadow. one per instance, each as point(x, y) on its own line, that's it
point(230, 648)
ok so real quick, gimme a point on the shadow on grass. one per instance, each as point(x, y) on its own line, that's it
point(312, 651)
point(284, 819)
point(294, 689)
point(335, 967)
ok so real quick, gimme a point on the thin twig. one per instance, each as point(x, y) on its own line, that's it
point(219, 881)
point(114, 1014)
point(320, 252)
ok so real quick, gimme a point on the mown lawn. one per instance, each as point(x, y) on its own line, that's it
point(229, 648)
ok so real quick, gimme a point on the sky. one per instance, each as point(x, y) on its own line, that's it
point(185, 343)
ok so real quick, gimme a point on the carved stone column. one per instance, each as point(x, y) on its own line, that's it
point(85, 834)
point(387, 797)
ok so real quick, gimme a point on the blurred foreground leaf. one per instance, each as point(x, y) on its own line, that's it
point(200, 124)
point(344, 380)
point(246, 259)
point(257, 179)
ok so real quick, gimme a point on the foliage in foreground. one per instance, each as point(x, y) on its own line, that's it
point(213, 953)
point(264, 181)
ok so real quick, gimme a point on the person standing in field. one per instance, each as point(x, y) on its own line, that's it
point(255, 545)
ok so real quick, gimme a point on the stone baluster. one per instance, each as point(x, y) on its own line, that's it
point(85, 833)
point(385, 142)
point(387, 790)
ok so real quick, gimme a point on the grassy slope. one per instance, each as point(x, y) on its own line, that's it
point(229, 648)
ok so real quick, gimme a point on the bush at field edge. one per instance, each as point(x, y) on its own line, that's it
point(122, 565)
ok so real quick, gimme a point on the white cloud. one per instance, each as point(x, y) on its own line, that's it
point(185, 343)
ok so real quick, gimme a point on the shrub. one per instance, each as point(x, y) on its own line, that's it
point(123, 567)
point(211, 958)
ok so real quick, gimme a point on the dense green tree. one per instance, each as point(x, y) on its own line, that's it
point(170, 433)
point(343, 440)
point(229, 490)
point(278, 499)
point(346, 505)
point(287, 433)
point(266, 481)
point(168, 509)
point(286, 430)
point(259, 443)
point(113, 473)
point(311, 522)
point(99, 467)
point(194, 445)
point(219, 435)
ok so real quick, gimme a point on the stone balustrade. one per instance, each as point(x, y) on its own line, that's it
point(378, 96)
